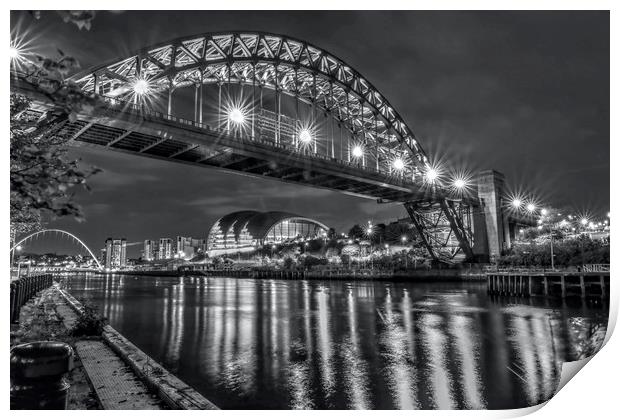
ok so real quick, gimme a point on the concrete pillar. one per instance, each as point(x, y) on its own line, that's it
point(491, 192)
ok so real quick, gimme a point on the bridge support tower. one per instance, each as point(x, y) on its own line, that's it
point(459, 230)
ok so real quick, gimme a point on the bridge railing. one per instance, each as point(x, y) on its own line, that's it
point(25, 288)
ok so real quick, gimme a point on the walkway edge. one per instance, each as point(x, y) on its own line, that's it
point(173, 391)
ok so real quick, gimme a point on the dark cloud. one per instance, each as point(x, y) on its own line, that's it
point(526, 93)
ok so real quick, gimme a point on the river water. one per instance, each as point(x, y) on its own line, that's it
point(277, 344)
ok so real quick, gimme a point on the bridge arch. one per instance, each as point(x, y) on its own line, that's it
point(377, 135)
point(64, 232)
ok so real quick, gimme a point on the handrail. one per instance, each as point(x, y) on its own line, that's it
point(25, 288)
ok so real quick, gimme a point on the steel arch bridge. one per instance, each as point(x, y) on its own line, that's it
point(62, 232)
point(268, 105)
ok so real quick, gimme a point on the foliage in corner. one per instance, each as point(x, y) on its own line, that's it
point(41, 175)
point(88, 323)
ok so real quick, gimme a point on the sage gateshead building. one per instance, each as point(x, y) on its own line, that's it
point(243, 229)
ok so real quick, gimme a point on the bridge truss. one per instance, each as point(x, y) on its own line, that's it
point(271, 106)
point(445, 227)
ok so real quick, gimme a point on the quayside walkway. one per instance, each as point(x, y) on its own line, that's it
point(111, 373)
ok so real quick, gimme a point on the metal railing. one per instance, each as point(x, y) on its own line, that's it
point(24, 288)
point(595, 268)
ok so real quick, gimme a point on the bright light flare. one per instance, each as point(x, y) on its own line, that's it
point(358, 151)
point(398, 164)
point(516, 203)
point(460, 183)
point(432, 174)
point(236, 116)
point(531, 207)
point(544, 212)
point(14, 52)
point(141, 87)
point(305, 136)
point(584, 221)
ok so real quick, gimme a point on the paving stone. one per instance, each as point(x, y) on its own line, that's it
point(115, 384)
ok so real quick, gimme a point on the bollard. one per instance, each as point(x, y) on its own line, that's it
point(37, 375)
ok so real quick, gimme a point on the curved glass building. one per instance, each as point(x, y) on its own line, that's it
point(252, 228)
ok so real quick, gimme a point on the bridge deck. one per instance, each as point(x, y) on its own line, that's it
point(128, 128)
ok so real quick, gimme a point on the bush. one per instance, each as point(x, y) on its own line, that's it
point(89, 322)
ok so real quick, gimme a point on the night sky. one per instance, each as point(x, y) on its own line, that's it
point(526, 93)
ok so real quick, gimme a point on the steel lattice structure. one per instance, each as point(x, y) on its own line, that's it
point(282, 64)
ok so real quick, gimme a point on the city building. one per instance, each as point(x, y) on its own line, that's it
point(164, 250)
point(184, 248)
point(150, 250)
point(115, 253)
point(250, 228)
point(200, 245)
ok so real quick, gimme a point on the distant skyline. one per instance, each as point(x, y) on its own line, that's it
point(526, 93)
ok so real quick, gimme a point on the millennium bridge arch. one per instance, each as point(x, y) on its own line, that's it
point(267, 105)
point(35, 235)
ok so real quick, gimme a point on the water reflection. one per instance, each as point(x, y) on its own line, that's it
point(302, 344)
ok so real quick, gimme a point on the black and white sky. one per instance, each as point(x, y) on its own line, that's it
point(525, 93)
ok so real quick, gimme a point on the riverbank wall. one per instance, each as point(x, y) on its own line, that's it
point(431, 275)
point(175, 393)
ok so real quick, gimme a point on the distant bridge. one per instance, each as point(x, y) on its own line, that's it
point(267, 105)
point(62, 232)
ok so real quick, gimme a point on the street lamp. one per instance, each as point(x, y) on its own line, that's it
point(14, 52)
point(141, 87)
point(543, 213)
point(460, 184)
point(403, 240)
point(531, 207)
point(305, 136)
point(431, 175)
point(358, 151)
point(516, 203)
point(236, 116)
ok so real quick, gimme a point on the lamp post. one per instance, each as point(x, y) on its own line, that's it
point(543, 213)
point(551, 245)
point(404, 239)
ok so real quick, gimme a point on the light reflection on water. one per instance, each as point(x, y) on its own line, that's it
point(249, 343)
